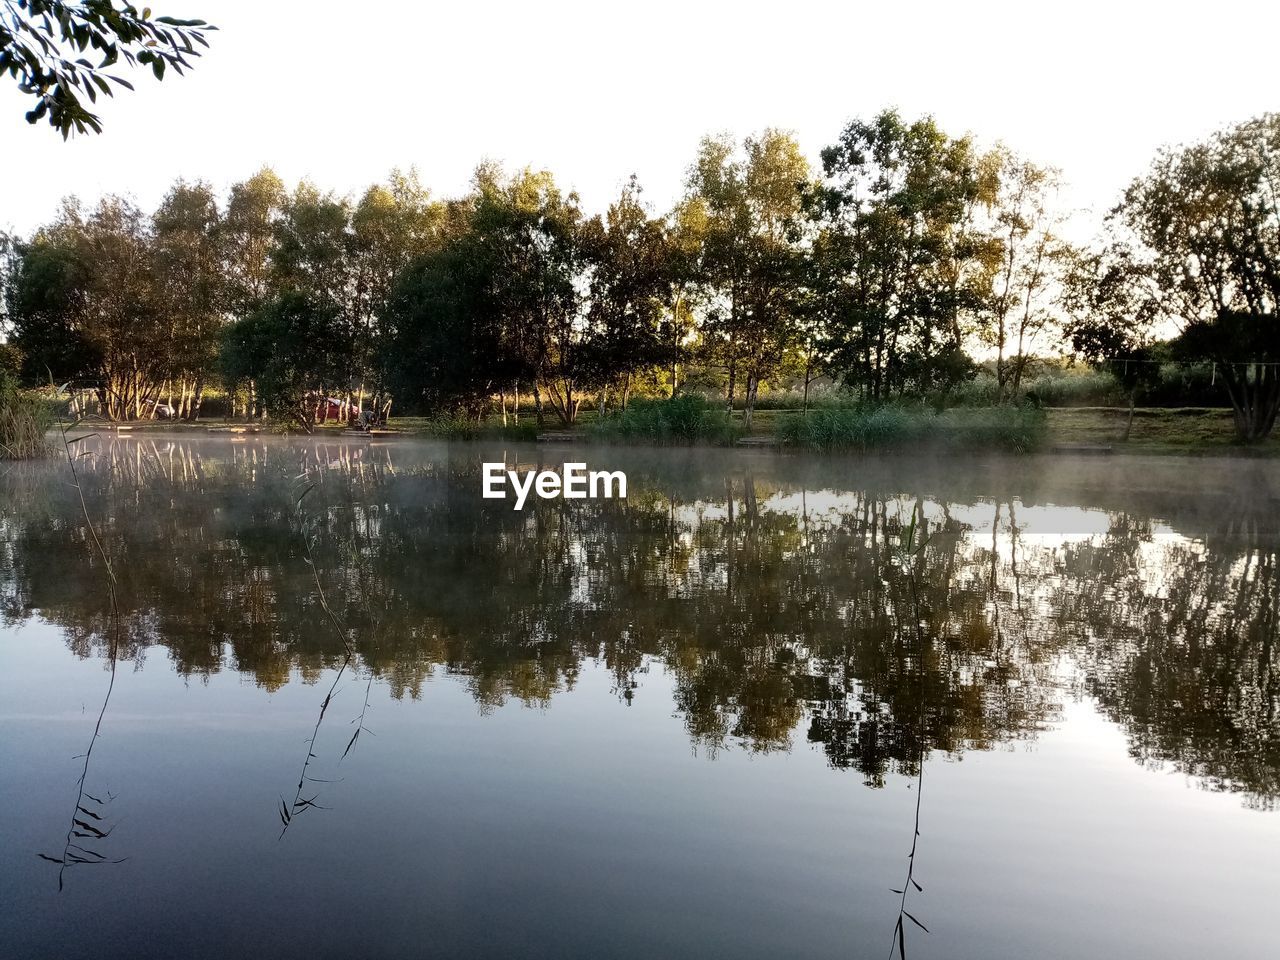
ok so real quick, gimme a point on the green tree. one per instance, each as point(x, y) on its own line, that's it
point(391, 226)
point(87, 306)
point(532, 235)
point(43, 42)
point(904, 263)
point(1202, 228)
point(750, 203)
point(191, 285)
point(448, 347)
point(627, 258)
point(1110, 319)
point(1032, 257)
point(296, 348)
point(249, 228)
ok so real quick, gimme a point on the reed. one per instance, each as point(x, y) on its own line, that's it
point(1013, 429)
point(685, 419)
point(25, 421)
point(88, 825)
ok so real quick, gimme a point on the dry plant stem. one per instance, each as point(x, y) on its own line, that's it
point(113, 649)
point(899, 932)
point(300, 803)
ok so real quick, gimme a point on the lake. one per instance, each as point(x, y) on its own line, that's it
point(357, 710)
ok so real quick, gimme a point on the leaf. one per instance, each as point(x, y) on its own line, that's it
point(917, 885)
point(916, 922)
point(902, 942)
point(350, 744)
point(45, 856)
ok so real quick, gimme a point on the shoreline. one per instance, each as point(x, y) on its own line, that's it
point(1070, 431)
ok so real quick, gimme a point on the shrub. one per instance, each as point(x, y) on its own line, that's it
point(687, 418)
point(469, 428)
point(1018, 429)
point(24, 420)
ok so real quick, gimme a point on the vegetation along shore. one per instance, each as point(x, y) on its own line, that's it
point(918, 289)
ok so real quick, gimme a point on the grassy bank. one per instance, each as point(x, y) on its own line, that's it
point(1011, 429)
point(1173, 430)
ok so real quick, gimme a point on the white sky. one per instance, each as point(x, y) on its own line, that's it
point(342, 92)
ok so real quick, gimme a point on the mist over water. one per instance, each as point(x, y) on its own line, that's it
point(694, 722)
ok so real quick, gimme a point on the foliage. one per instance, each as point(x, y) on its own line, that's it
point(899, 261)
point(915, 429)
point(914, 249)
point(469, 428)
point(747, 207)
point(42, 43)
point(24, 421)
point(293, 347)
point(687, 418)
point(1198, 236)
point(87, 306)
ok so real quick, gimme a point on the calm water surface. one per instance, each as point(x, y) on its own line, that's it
point(703, 722)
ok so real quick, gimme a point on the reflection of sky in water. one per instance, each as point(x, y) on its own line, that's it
point(1076, 808)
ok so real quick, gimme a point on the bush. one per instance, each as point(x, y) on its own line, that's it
point(469, 428)
point(687, 418)
point(24, 421)
point(1017, 429)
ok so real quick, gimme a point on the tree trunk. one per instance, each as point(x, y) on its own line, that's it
point(749, 403)
point(1128, 427)
point(197, 398)
point(537, 403)
point(1255, 403)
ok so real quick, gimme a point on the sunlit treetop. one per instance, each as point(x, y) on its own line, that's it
point(43, 46)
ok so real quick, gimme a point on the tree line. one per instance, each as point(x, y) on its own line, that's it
point(906, 254)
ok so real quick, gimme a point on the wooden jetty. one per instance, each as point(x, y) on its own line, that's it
point(558, 436)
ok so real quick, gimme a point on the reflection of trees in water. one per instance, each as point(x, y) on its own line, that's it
point(769, 621)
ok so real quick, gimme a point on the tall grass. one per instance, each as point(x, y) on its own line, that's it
point(1017, 429)
point(688, 418)
point(25, 420)
point(468, 428)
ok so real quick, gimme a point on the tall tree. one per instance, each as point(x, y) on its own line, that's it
point(1203, 229)
point(190, 276)
point(627, 258)
point(904, 265)
point(392, 225)
point(532, 235)
point(249, 226)
point(87, 306)
point(296, 348)
point(1031, 259)
point(750, 202)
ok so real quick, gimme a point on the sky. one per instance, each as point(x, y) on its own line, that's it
point(343, 92)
